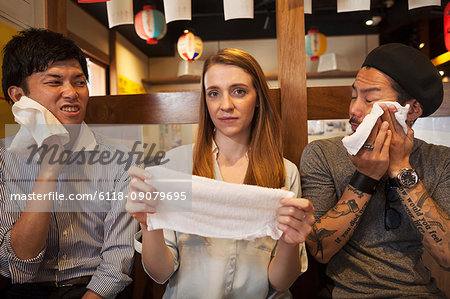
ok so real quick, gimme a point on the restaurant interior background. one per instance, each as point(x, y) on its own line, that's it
point(122, 63)
point(143, 68)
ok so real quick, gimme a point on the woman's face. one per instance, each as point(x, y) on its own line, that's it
point(231, 100)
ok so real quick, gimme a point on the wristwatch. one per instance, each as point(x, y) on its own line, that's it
point(406, 178)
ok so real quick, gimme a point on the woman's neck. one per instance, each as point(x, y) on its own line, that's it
point(231, 149)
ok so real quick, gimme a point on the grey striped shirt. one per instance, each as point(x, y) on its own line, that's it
point(92, 237)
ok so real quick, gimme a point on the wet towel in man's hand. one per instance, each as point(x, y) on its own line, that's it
point(354, 142)
point(37, 122)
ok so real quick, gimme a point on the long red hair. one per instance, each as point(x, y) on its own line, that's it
point(266, 166)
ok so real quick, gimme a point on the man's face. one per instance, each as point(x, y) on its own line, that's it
point(62, 89)
point(370, 86)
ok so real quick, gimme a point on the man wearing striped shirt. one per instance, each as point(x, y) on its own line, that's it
point(63, 230)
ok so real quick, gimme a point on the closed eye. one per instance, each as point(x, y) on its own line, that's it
point(52, 82)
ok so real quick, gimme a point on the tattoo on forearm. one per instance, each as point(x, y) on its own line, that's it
point(342, 209)
point(422, 199)
point(438, 224)
point(317, 235)
point(360, 194)
point(353, 223)
point(423, 225)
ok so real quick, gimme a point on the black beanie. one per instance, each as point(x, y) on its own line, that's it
point(412, 70)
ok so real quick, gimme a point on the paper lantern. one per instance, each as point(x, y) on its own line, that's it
point(150, 25)
point(189, 46)
point(447, 26)
point(315, 43)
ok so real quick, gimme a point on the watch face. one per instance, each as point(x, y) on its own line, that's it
point(408, 178)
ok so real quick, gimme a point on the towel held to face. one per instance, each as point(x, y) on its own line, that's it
point(354, 142)
point(37, 123)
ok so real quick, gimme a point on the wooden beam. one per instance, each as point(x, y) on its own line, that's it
point(89, 49)
point(113, 77)
point(56, 16)
point(292, 76)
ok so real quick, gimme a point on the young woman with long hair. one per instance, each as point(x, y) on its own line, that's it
point(238, 141)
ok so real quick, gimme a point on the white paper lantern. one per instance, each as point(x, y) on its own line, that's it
point(189, 46)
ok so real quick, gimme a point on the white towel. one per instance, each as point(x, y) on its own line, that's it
point(219, 209)
point(354, 142)
point(37, 123)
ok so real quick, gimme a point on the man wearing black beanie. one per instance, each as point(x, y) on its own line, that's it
point(378, 210)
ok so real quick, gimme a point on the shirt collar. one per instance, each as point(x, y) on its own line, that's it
point(85, 140)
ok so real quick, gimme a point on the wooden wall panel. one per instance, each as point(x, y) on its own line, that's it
point(183, 107)
point(156, 108)
point(329, 102)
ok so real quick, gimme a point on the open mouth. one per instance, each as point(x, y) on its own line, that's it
point(70, 108)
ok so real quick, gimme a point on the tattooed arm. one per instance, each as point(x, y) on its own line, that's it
point(430, 220)
point(332, 231)
point(428, 217)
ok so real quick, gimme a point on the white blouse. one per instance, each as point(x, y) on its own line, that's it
point(222, 268)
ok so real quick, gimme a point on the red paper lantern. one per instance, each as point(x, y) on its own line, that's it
point(447, 26)
point(150, 25)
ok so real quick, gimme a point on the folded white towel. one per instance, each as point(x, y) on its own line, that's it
point(219, 209)
point(37, 123)
point(354, 142)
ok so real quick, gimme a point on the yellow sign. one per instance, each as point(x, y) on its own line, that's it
point(126, 86)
